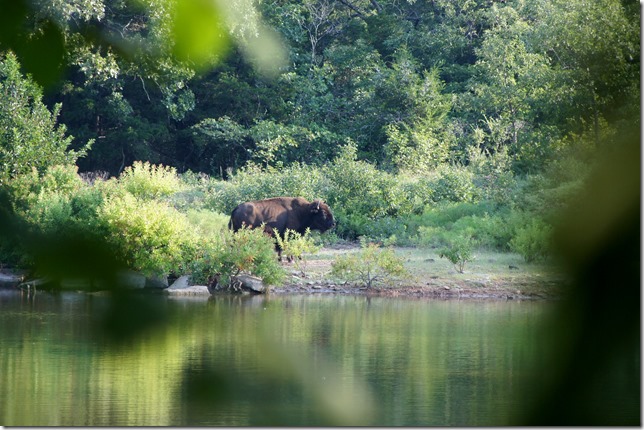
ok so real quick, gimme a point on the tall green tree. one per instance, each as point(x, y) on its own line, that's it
point(511, 86)
point(30, 137)
point(594, 48)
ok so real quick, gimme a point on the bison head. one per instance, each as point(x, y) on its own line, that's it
point(321, 216)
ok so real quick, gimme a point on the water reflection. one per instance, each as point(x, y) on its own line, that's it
point(269, 361)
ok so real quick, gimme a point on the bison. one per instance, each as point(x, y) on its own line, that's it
point(281, 213)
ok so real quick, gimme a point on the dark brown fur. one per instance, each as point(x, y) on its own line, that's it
point(281, 213)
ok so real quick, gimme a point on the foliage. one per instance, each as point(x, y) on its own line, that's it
point(149, 206)
point(229, 254)
point(413, 85)
point(533, 241)
point(153, 237)
point(149, 182)
point(389, 229)
point(486, 224)
point(370, 266)
point(455, 184)
point(458, 251)
point(387, 110)
point(57, 204)
point(422, 141)
point(254, 183)
point(29, 135)
point(296, 246)
point(207, 224)
point(360, 193)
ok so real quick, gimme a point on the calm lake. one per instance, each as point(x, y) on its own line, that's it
point(70, 359)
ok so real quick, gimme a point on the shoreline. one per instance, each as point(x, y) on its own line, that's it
point(493, 276)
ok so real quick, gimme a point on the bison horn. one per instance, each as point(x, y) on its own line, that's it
point(315, 206)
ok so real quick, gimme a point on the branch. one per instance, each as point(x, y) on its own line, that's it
point(353, 8)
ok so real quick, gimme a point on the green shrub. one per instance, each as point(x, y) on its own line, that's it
point(493, 175)
point(58, 201)
point(418, 192)
point(533, 241)
point(386, 228)
point(148, 181)
point(195, 191)
point(255, 183)
point(230, 254)
point(153, 237)
point(458, 251)
point(207, 223)
point(60, 179)
point(295, 246)
point(50, 213)
point(357, 187)
point(490, 231)
point(371, 266)
point(430, 237)
point(350, 226)
point(30, 135)
point(444, 215)
point(454, 184)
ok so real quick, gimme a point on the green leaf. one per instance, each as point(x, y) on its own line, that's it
point(200, 36)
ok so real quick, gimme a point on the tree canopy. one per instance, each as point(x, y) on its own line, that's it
point(212, 86)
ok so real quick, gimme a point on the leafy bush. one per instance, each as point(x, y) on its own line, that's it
point(543, 196)
point(418, 192)
point(50, 213)
point(152, 236)
point(58, 201)
point(148, 181)
point(387, 228)
point(493, 175)
point(229, 254)
point(28, 131)
point(533, 241)
point(357, 187)
point(295, 246)
point(60, 179)
point(490, 231)
point(458, 251)
point(194, 191)
point(207, 223)
point(490, 226)
point(255, 183)
point(454, 184)
point(444, 215)
point(371, 266)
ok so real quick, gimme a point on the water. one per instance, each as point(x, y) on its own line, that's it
point(294, 360)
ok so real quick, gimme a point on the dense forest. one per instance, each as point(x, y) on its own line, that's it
point(390, 110)
point(412, 84)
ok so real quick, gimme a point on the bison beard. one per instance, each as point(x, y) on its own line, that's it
point(281, 213)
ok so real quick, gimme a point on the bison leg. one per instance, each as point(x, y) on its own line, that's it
point(272, 233)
